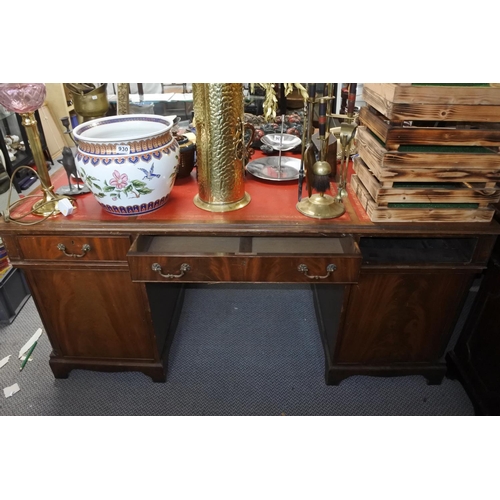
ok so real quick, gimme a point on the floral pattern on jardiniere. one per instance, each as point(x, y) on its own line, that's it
point(119, 181)
point(118, 186)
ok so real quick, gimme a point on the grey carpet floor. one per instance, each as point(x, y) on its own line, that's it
point(238, 350)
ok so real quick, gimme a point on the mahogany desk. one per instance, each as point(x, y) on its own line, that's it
point(388, 308)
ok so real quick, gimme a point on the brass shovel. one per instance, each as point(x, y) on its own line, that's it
point(309, 155)
point(347, 131)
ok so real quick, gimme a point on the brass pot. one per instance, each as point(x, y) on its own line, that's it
point(220, 148)
point(92, 104)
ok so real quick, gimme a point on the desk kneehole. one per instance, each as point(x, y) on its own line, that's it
point(262, 259)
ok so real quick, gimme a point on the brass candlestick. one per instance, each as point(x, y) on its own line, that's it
point(48, 204)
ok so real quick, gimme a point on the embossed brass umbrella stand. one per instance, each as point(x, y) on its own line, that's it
point(220, 149)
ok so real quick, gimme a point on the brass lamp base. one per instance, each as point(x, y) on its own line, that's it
point(321, 207)
point(48, 205)
point(222, 207)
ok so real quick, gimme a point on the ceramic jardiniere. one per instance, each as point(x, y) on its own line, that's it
point(129, 162)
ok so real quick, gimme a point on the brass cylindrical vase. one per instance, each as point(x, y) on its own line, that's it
point(220, 148)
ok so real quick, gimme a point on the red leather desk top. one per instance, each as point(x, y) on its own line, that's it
point(271, 201)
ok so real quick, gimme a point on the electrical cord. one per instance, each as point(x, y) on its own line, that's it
point(7, 212)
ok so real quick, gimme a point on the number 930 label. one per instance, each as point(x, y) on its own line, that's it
point(124, 150)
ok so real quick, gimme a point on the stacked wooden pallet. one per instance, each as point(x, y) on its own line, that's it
point(428, 152)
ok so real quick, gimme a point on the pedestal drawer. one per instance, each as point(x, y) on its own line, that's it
point(74, 248)
point(204, 259)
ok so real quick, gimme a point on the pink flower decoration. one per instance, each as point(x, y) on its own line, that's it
point(119, 181)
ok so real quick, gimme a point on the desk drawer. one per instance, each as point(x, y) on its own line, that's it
point(205, 259)
point(74, 248)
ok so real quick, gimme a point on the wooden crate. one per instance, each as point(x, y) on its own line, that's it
point(387, 193)
point(429, 152)
point(428, 164)
point(425, 184)
point(426, 102)
point(412, 213)
point(393, 134)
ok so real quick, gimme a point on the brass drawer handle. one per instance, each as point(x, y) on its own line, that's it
point(330, 269)
point(183, 269)
point(85, 249)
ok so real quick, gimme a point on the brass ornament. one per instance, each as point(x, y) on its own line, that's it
point(122, 99)
point(271, 100)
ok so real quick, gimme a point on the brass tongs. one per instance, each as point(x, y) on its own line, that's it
point(347, 132)
point(309, 155)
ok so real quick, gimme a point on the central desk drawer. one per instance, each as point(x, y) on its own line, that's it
point(205, 259)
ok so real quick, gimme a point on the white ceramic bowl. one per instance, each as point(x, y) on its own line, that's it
point(129, 162)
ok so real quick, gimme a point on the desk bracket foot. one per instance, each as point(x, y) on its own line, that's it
point(61, 367)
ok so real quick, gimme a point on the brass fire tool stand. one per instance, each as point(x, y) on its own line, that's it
point(320, 205)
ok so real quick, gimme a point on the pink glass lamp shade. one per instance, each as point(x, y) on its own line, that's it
point(25, 99)
point(22, 97)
